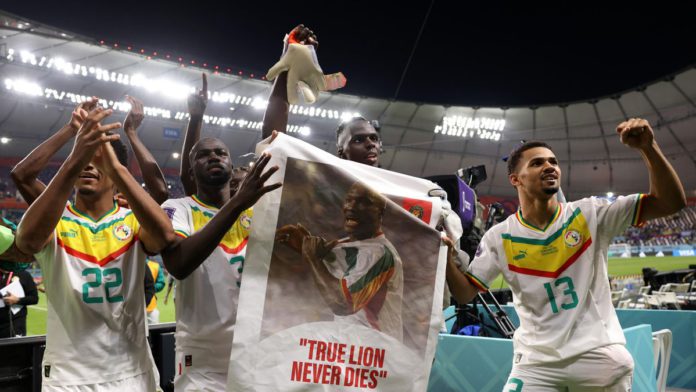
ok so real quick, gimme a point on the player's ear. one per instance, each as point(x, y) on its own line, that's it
point(514, 179)
point(340, 153)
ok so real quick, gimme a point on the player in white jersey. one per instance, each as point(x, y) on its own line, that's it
point(554, 258)
point(92, 253)
point(207, 259)
point(360, 277)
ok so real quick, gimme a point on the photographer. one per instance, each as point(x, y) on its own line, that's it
point(15, 324)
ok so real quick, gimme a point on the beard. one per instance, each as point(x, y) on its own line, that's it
point(551, 191)
point(217, 180)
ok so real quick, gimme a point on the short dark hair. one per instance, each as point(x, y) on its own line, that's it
point(348, 123)
point(121, 151)
point(516, 153)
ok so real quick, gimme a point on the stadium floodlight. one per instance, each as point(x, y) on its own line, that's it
point(471, 127)
point(176, 155)
point(5, 140)
point(610, 194)
point(22, 86)
point(259, 103)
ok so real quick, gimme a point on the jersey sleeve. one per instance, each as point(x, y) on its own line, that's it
point(485, 267)
point(178, 214)
point(613, 217)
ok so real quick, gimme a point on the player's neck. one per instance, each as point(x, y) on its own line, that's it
point(94, 207)
point(214, 196)
point(538, 212)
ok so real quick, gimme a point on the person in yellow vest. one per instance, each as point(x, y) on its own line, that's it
point(158, 277)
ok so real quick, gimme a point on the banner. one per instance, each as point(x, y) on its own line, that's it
point(343, 279)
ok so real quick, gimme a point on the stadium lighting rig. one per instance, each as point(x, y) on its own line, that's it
point(164, 87)
point(33, 89)
point(471, 127)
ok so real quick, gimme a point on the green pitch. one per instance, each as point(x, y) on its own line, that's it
point(36, 320)
point(630, 266)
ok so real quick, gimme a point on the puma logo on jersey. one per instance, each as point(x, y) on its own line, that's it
point(521, 255)
point(69, 234)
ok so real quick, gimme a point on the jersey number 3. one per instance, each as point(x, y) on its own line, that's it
point(569, 291)
point(109, 282)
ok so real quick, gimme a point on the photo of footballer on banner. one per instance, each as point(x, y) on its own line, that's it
point(343, 279)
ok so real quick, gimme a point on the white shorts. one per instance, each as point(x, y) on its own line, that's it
point(194, 378)
point(145, 382)
point(604, 369)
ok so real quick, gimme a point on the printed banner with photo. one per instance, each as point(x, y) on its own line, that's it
point(343, 279)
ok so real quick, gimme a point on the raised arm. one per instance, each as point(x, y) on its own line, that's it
point(462, 290)
point(666, 190)
point(196, 107)
point(38, 223)
point(152, 175)
point(276, 115)
point(186, 254)
point(156, 230)
point(25, 173)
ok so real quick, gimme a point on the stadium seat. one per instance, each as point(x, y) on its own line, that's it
point(662, 351)
point(625, 304)
point(667, 300)
point(616, 297)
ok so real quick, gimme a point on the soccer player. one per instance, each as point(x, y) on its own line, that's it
point(361, 276)
point(554, 258)
point(92, 253)
point(207, 261)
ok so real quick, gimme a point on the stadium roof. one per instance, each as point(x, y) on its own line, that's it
point(45, 72)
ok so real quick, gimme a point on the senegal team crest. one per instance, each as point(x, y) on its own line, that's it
point(417, 211)
point(573, 238)
point(122, 232)
point(245, 221)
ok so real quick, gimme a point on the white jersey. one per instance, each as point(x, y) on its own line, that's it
point(558, 276)
point(94, 272)
point(372, 280)
point(206, 300)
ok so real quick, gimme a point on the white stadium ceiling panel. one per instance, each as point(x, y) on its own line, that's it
point(440, 163)
point(635, 104)
point(586, 131)
point(664, 95)
point(519, 119)
point(410, 161)
point(588, 150)
point(580, 114)
point(685, 168)
point(549, 117)
point(684, 131)
point(370, 108)
point(485, 148)
point(417, 138)
point(686, 81)
point(399, 113)
point(589, 176)
point(427, 117)
point(449, 144)
point(391, 135)
point(609, 112)
point(629, 180)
